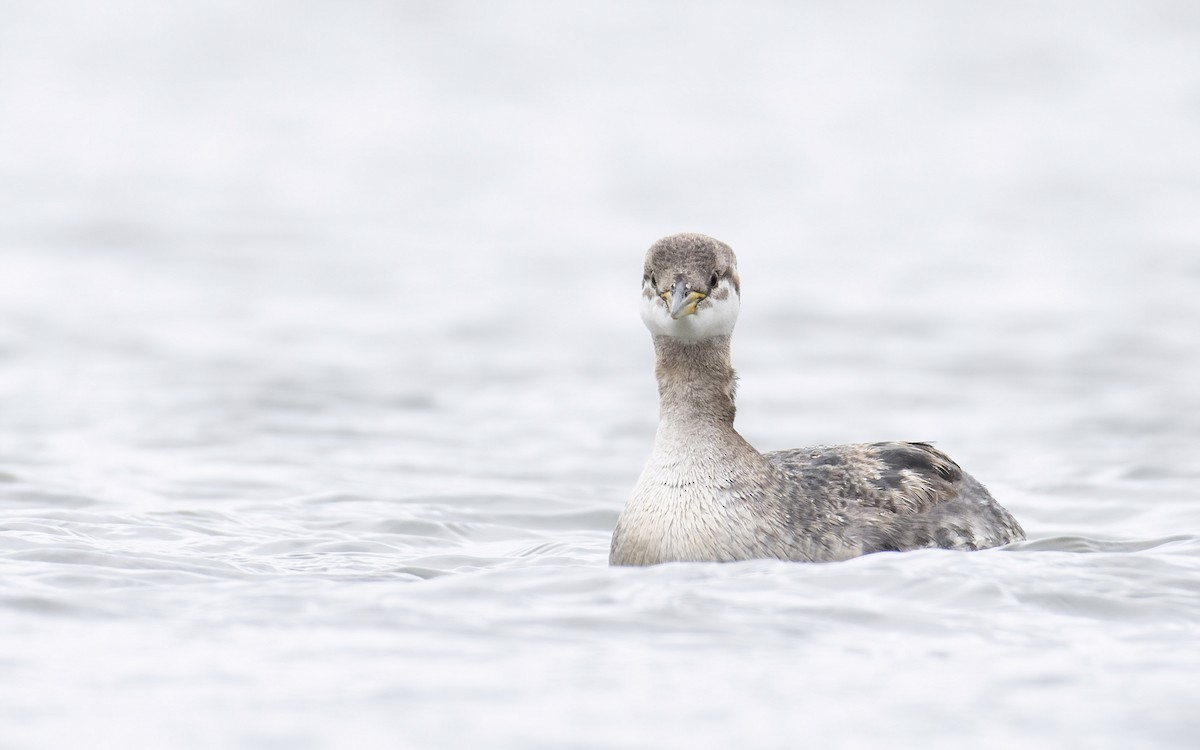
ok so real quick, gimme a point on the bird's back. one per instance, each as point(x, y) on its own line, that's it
point(887, 496)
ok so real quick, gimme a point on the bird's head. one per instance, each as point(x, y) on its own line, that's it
point(690, 288)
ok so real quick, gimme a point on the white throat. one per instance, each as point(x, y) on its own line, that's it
point(713, 317)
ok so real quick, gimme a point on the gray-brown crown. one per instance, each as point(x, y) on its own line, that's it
point(695, 257)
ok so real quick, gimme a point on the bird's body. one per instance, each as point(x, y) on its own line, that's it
point(707, 495)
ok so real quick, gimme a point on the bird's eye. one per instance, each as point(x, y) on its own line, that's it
point(653, 281)
point(712, 280)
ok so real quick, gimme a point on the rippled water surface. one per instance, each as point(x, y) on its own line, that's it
point(321, 381)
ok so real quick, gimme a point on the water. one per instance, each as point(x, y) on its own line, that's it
point(323, 383)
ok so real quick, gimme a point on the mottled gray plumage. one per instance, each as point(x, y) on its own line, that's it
point(708, 495)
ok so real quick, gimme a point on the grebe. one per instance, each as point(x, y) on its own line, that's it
point(708, 495)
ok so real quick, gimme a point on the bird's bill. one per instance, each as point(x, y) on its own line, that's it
point(682, 302)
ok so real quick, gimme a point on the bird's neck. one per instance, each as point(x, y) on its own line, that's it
point(696, 386)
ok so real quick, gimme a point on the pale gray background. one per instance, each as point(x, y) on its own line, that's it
point(321, 380)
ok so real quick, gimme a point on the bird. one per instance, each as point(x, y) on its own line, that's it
point(707, 495)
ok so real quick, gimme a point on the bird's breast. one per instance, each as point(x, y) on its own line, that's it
point(680, 513)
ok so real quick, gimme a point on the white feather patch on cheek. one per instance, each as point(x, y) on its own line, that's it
point(713, 317)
